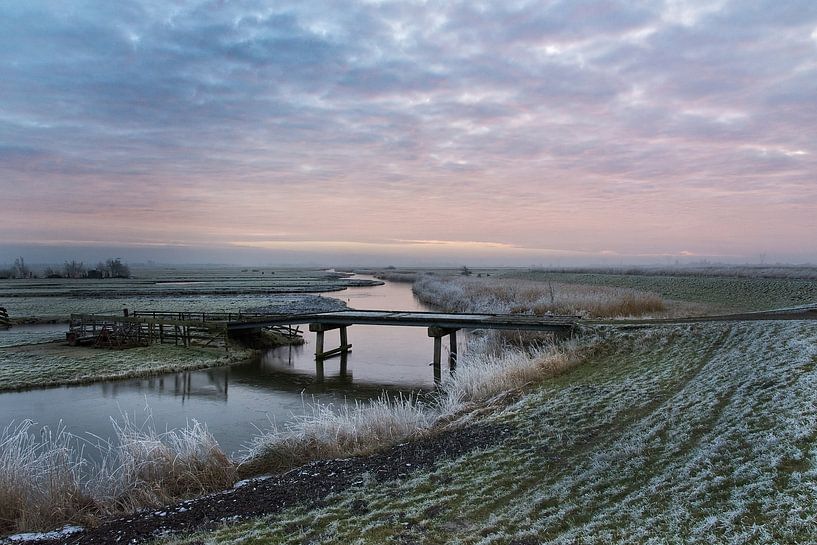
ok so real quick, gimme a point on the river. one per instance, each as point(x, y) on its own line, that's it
point(236, 401)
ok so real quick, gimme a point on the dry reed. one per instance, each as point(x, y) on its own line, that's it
point(513, 296)
point(326, 433)
point(45, 479)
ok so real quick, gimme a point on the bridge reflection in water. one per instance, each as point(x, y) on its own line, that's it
point(210, 384)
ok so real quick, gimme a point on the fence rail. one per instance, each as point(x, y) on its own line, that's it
point(143, 328)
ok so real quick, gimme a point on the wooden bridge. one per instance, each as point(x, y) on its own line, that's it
point(215, 329)
point(439, 324)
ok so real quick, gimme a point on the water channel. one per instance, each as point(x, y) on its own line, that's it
point(235, 401)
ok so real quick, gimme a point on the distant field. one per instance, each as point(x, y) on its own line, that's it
point(701, 434)
point(721, 293)
point(216, 289)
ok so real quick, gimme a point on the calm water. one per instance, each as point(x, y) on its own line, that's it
point(234, 401)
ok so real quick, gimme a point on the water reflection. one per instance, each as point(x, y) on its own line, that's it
point(212, 384)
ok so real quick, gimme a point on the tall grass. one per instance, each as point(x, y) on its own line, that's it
point(145, 468)
point(45, 479)
point(396, 276)
point(40, 478)
point(514, 296)
point(486, 375)
point(326, 433)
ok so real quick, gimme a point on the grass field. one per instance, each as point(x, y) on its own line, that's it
point(51, 364)
point(696, 434)
point(720, 293)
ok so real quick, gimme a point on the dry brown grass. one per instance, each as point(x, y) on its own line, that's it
point(40, 479)
point(45, 481)
point(328, 433)
point(515, 296)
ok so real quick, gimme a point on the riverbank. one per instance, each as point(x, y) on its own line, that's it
point(575, 444)
point(156, 463)
point(225, 289)
point(702, 432)
point(57, 364)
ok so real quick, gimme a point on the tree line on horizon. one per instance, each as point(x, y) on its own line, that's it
point(110, 268)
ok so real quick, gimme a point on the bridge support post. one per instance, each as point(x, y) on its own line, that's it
point(438, 333)
point(320, 329)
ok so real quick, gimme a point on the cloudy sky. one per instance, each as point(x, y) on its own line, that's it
point(503, 132)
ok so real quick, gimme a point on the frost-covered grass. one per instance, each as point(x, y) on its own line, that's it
point(53, 364)
point(721, 293)
point(518, 296)
point(362, 428)
point(45, 481)
point(39, 478)
point(328, 433)
point(32, 334)
point(701, 434)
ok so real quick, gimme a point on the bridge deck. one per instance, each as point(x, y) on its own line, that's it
point(414, 319)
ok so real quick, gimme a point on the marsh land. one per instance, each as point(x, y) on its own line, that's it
point(692, 432)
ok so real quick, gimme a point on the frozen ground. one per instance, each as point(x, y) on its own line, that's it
point(695, 434)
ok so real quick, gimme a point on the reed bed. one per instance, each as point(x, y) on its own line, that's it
point(326, 433)
point(46, 480)
point(40, 478)
point(515, 296)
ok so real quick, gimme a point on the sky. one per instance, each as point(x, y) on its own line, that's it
point(503, 133)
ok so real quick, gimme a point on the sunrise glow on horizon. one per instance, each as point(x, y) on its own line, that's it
point(500, 132)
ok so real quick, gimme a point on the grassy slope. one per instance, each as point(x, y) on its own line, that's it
point(688, 435)
point(726, 294)
point(50, 364)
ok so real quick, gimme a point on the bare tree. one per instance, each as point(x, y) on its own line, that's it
point(74, 269)
point(20, 269)
point(117, 269)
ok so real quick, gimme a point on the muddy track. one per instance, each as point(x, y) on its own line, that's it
point(307, 485)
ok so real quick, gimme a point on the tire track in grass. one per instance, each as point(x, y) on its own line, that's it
point(657, 407)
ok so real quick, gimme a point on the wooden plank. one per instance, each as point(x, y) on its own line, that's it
point(335, 352)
